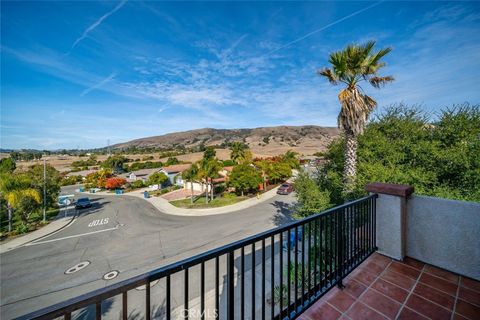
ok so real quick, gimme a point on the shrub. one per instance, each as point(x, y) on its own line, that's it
point(157, 178)
point(219, 188)
point(21, 228)
point(230, 196)
point(114, 183)
point(228, 163)
point(137, 184)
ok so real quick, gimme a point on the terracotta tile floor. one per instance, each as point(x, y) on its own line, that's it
point(382, 288)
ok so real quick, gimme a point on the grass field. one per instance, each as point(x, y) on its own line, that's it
point(199, 202)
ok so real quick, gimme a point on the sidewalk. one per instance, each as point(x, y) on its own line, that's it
point(165, 207)
point(54, 226)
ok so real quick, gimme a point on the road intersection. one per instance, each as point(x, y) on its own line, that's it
point(117, 238)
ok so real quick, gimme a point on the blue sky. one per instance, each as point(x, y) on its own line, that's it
point(74, 74)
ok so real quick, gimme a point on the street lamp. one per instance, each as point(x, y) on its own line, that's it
point(44, 190)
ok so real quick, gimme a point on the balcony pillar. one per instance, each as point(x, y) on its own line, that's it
point(391, 217)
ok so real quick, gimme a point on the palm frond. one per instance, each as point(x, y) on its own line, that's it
point(14, 198)
point(367, 47)
point(329, 74)
point(380, 54)
point(378, 82)
point(356, 107)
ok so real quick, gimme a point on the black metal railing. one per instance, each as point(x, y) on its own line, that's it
point(276, 274)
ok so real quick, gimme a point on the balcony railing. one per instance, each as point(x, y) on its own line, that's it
point(276, 274)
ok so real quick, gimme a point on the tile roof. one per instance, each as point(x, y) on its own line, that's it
point(176, 168)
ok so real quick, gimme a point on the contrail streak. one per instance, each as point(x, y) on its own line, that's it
point(99, 84)
point(98, 22)
point(324, 27)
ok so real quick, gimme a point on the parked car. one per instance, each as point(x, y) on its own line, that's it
point(83, 203)
point(285, 188)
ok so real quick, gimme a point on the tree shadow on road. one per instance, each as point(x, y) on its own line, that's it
point(89, 312)
point(97, 205)
point(283, 214)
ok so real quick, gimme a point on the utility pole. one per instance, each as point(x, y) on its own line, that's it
point(44, 190)
point(108, 147)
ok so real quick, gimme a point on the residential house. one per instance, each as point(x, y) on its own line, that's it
point(83, 173)
point(142, 174)
point(225, 172)
point(223, 176)
point(174, 173)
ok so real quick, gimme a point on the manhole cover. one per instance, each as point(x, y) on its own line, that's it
point(110, 275)
point(154, 282)
point(77, 267)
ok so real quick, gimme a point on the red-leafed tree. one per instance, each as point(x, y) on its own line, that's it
point(114, 183)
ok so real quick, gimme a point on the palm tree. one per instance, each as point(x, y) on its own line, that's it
point(18, 194)
point(238, 150)
point(264, 166)
point(27, 200)
point(350, 66)
point(191, 174)
point(290, 157)
point(208, 169)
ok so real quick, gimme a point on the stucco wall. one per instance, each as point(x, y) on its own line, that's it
point(444, 233)
point(389, 225)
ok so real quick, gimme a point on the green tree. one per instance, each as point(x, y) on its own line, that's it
point(350, 66)
point(290, 158)
point(209, 153)
point(115, 163)
point(402, 145)
point(98, 179)
point(7, 165)
point(25, 202)
point(311, 199)
point(279, 171)
point(52, 183)
point(265, 168)
point(237, 152)
point(157, 178)
point(458, 164)
point(172, 161)
point(244, 178)
point(191, 175)
point(208, 169)
point(21, 198)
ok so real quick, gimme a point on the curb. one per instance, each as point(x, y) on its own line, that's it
point(2, 250)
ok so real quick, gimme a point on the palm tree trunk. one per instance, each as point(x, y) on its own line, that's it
point(350, 169)
point(212, 191)
point(191, 186)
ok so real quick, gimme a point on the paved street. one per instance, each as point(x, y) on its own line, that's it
point(124, 234)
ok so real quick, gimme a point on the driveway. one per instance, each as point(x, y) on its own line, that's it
point(125, 234)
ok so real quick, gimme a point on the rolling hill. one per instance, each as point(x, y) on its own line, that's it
point(262, 141)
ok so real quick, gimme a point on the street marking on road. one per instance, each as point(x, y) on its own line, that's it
point(98, 222)
point(110, 275)
point(77, 267)
point(69, 237)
